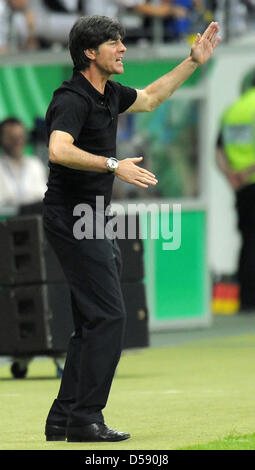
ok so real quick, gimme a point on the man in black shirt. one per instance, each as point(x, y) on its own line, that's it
point(81, 125)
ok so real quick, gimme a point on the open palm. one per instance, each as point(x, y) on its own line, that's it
point(204, 45)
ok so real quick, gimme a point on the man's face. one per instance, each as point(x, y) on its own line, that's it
point(13, 140)
point(109, 57)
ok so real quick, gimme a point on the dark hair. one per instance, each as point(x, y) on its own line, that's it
point(9, 121)
point(88, 32)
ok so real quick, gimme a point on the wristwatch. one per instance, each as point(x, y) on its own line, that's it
point(112, 164)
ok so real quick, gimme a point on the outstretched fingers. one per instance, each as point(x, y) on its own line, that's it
point(216, 42)
point(211, 32)
point(198, 38)
point(147, 177)
point(141, 185)
point(144, 179)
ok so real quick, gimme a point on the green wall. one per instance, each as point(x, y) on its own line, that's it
point(177, 279)
point(25, 91)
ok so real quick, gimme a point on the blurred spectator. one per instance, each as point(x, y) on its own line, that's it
point(235, 157)
point(234, 17)
point(22, 179)
point(176, 16)
point(137, 15)
point(17, 26)
point(54, 19)
point(159, 9)
point(180, 22)
point(101, 7)
point(250, 5)
point(30, 24)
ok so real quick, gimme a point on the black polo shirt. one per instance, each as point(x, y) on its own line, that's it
point(91, 118)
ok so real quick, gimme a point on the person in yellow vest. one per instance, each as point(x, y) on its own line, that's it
point(235, 157)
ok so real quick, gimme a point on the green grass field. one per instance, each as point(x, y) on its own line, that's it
point(200, 395)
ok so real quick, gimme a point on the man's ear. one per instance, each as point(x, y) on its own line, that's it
point(90, 53)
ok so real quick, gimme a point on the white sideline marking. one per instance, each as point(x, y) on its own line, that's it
point(193, 391)
point(162, 391)
point(182, 391)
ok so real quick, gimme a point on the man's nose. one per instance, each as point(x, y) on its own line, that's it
point(123, 47)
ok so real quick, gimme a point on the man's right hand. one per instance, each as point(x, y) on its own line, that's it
point(129, 172)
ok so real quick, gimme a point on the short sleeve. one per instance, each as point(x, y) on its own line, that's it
point(127, 96)
point(67, 112)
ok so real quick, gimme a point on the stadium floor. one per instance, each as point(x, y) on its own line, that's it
point(198, 384)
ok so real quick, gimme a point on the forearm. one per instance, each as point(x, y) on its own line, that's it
point(165, 86)
point(69, 155)
point(149, 9)
point(157, 92)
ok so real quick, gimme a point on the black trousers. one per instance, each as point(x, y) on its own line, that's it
point(245, 205)
point(92, 269)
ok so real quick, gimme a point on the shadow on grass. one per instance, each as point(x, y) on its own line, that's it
point(27, 379)
point(117, 377)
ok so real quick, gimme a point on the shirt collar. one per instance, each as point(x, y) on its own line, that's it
point(86, 85)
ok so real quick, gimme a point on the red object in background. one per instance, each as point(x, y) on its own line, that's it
point(225, 296)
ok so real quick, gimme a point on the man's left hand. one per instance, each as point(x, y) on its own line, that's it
point(204, 45)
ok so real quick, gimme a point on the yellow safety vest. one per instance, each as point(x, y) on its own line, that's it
point(238, 132)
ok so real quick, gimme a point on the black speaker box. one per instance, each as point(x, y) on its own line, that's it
point(35, 307)
point(26, 256)
point(35, 319)
point(137, 332)
point(132, 260)
point(131, 247)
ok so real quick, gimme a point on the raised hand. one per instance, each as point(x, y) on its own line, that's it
point(204, 45)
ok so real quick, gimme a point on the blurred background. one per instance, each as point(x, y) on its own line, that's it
point(186, 287)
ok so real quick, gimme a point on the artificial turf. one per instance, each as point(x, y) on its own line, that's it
point(238, 442)
point(193, 396)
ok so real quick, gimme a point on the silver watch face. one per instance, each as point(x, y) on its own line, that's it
point(112, 164)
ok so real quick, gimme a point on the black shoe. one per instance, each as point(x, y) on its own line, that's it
point(55, 433)
point(95, 433)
